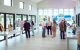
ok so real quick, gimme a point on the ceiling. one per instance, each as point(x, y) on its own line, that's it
point(36, 1)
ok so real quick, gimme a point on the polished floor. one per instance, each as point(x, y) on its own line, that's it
point(38, 43)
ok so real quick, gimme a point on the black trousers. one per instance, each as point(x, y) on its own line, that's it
point(78, 47)
point(27, 32)
point(62, 35)
point(49, 29)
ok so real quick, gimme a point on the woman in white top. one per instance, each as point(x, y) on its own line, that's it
point(49, 26)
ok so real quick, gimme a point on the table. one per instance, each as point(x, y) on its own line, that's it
point(70, 37)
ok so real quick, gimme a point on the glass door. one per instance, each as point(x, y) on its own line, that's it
point(9, 24)
point(24, 17)
point(2, 25)
point(17, 24)
point(29, 19)
point(34, 19)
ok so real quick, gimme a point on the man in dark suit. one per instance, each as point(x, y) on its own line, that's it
point(27, 29)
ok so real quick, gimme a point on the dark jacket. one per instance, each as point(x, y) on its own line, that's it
point(26, 26)
point(61, 25)
point(65, 27)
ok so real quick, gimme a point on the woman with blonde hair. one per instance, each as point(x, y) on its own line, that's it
point(54, 29)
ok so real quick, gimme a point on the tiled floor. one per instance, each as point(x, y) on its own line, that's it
point(37, 43)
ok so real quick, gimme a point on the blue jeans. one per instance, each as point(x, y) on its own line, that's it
point(62, 35)
point(43, 32)
point(33, 30)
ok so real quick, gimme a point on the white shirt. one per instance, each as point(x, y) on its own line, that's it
point(43, 24)
point(49, 23)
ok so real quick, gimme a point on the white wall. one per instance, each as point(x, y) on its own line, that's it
point(15, 8)
point(78, 7)
point(57, 4)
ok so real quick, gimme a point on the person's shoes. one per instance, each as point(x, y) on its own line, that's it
point(32, 35)
point(43, 36)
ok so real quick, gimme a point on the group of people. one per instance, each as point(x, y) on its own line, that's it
point(49, 26)
point(52, 26)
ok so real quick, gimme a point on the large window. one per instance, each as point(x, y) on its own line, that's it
point(61, 11)
point(66, 11)
point(50, 12)
point(45, 12)
point(21, 5)
point(71, 12)
point(40, 12)
point(55, 12)
point(8, 2)
point(30, 7)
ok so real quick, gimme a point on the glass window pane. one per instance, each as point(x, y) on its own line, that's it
point(60, 11)
point(24, 17)
point(55, 12)
point(9, 20)
point(17, 24)
point(7, 2)
point(21, 5)
point(30, 7)
point(2, 24)
point(40, 12)
point(49, 12)
point(66, 11)
point(71, 10)
point(71, 13)
point(45, 12)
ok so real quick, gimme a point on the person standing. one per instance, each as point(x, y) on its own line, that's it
point(61, 26)
point(21, 26)
point(43, 24)
point(65, 27)
point(27, 29)
point(49, 27)
point(54, 29)
point(32, 26)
